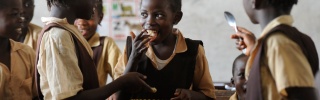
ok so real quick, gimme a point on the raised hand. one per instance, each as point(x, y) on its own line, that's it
point(248, 40)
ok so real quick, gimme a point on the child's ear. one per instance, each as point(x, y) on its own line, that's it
point(177, 17)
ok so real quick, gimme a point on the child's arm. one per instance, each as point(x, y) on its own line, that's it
point(138, 49)
point(133, 81)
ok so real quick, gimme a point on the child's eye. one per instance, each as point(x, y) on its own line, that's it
point(159, 16)
point(28, 4)
point(241, 74)
point(144, 15)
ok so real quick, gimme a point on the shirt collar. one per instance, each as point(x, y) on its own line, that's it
point(181, 45)
point(94, 41)
point(48, 20)
point(15, 46)
point(284, 19)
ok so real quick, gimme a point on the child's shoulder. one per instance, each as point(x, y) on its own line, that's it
point(23, 49)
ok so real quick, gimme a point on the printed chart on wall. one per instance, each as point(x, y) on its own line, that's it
point(120, 17)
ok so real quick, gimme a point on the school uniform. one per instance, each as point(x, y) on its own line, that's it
point(106, 58)
point(58, 60)
point(282, 64)
point(17, 83)
point(201, 79)
point(32, 35)
point(234, 96)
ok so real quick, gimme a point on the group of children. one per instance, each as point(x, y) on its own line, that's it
point(67, 59)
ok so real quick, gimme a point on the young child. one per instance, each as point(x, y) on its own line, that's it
point(283, 61)
point(105, 50)
point(238, 79)
point(30, 31)
point(64, 58)
point(175, 66)
point(16, 59)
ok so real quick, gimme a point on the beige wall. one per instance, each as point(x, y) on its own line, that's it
point(204, 20)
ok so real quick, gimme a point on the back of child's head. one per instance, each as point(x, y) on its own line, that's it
point(285, 5)
point(241, 57)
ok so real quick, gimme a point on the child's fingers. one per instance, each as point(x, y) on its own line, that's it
point(140, 35)
point(133, 36)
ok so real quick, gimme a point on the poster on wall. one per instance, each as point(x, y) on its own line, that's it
point(120, 17)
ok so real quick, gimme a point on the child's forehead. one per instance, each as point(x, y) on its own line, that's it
point(155, 3)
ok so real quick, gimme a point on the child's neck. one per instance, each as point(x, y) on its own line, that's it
point(4, 45)
point(266, 15)
point(63, 12)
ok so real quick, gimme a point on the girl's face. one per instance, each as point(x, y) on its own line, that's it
point(11, 21)
point(88, 27)
point(239, 78)
point(28, 8)
point(157, 15)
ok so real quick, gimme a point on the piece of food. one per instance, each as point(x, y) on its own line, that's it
point(152, 36)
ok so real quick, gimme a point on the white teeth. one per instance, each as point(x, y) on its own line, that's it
point(151, 32)
point(19, 30)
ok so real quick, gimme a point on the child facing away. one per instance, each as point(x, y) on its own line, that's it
point(30, 31)
point(176, 66)
point(64, 58)
point(283, 61)
point(238, 79)
point(105, 51)
point(16, 59)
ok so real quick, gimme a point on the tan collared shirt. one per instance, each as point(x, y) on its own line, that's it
point(32, 36)
point(234, 96)
point(202, 78)
point(18, 82)
point(60, 75)
point(109, 58)
point(283, 64)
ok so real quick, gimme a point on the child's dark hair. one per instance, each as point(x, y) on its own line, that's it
point(60, 3)
point(285, 5)
point(175, 5)
point(235, 60)
point(99, 7)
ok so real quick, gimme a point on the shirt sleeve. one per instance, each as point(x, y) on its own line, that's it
point(120, 66)
point(287, 63)
point(113, 54)
point(202, 81)
point(60, 64)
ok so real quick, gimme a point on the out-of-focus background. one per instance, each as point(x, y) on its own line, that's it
point(203, 20)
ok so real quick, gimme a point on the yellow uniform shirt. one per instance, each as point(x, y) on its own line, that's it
point(108, 59)
point(60, 75)
point(18, 82)
point(283, 63)
point(32, 36)
point(202, 78)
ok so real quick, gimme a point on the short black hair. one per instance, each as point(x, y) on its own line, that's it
point(99, 7)
point(60, 3)
point(235, 60)
point(285, 5)
point(175, 5)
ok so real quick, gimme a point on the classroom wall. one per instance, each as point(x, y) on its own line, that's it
point(204, 20)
